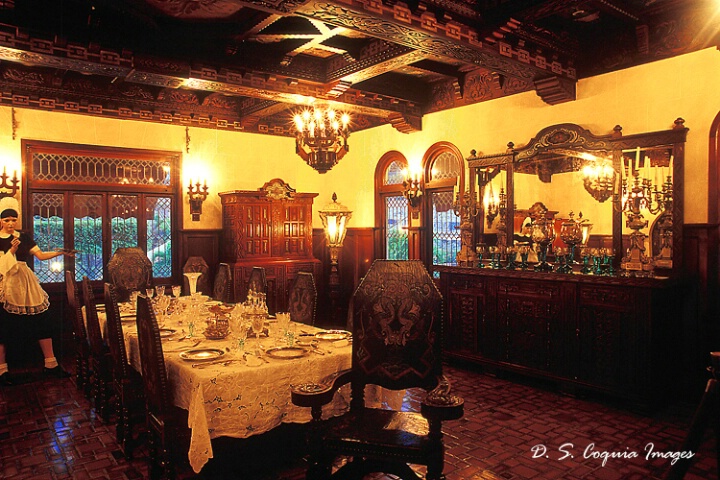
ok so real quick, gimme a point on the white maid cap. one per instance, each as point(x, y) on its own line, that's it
point(9, 207)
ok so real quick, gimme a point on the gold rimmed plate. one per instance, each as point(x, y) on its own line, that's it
point(286, 353)
point(200, 354)
point(332, 335)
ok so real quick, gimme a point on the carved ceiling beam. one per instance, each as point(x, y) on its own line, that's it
point(387, 60)
point(397, 23)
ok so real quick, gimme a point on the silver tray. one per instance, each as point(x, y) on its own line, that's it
point(200, 354)
point(286, 353)
point(332, 335)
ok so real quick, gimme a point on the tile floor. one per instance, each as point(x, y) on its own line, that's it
point(48, 430)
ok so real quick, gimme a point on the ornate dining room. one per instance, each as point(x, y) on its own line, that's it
point(426, 239)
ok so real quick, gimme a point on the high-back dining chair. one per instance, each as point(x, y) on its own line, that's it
point(396, 344)
point(126, 381)
point(82, 358)
point(257, 281)
point(197, 264)
point(302, 299)
point(223, 284)
point(129, 270)
point(100, 361)
point(166, 423)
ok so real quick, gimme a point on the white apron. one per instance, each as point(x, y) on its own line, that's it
point(20, 290)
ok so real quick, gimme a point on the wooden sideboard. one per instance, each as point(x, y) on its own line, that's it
point(606, 334)
point(272, 228)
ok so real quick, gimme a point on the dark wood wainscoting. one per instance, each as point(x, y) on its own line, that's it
point(200, 243)
point(355, 259)
point(701, 327)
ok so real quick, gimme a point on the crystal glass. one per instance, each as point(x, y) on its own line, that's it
point(257, 324)
point(176, 290)
point(160, 290)
point(192, 280)
point(150, 292)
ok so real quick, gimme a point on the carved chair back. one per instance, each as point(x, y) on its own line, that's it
point(98, 347)
point(115, 338)
point(82, 372)
point(155, 382)
point(223, 285)
point(397, 327)
point(302, 299)
point(130, 269)
point(197, 264)
point(257, 281)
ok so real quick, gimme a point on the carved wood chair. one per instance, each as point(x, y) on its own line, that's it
point(100, 360)
point(302, 299)
point(197, 264)
point(223, 284)
point(168, 434)
point(127, 382)
point(129, 269)
point(397, 323)
point(82, 358)
point(257, 281)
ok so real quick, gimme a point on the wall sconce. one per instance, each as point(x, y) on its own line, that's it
point(197, 194)
point(599, 180)
point(413, 191)
point(13, 185)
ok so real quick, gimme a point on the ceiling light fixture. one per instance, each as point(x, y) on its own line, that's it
point(321, 138)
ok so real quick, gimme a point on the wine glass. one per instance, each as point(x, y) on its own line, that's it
point(150, 292)
point(160, 290)
point(176, 290)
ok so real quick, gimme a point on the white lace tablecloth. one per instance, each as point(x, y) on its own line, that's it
point(238, 400)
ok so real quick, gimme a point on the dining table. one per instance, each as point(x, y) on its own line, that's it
point(240, 392)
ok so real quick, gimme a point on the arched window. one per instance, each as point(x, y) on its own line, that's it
point(391, 208)
point(444, 169)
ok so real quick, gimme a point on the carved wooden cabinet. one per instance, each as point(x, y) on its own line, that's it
point(272, 228)
point(612, 335)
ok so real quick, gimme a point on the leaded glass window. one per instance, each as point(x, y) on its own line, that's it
point(96, 200)
point(396, 224)
point(159, 229)
point(48, 227)
point(445, 165)
point(445, 229)
point(394, 174)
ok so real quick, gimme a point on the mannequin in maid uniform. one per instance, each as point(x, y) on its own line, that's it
point(24, 303)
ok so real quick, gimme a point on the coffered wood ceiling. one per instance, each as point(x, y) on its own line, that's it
point(249, 65)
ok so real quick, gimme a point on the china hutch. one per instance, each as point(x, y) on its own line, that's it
point(270, 227)
point(604, 315)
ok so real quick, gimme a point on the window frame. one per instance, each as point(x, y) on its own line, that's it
point(383, 191)
point(30, 186)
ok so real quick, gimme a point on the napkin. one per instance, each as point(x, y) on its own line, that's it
point(340, 343)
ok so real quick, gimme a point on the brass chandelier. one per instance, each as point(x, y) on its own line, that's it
point(321, 138)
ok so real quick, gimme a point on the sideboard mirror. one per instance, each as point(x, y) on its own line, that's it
point(572, 171)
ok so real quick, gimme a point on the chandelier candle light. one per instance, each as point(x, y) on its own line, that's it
point(321, 138)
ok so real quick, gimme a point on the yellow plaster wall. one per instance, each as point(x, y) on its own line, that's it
point(640, 99)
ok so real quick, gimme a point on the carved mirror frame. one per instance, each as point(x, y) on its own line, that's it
point(572, 137)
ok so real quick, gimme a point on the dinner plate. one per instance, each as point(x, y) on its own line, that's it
point(332, 335)
point(213, 302)
point(167, 332)
point(127, 317)
point(286, 353)
point(202, 354)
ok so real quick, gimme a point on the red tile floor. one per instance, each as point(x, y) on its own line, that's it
point(49, 430)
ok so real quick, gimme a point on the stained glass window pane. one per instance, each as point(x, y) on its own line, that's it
point(446, 230)
point(394, 173)
point(396, 233)
point(48, 234)
point(123, 221)
point(87, 228)
point(159, 227)
point(445, 165)
point(51, 166)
